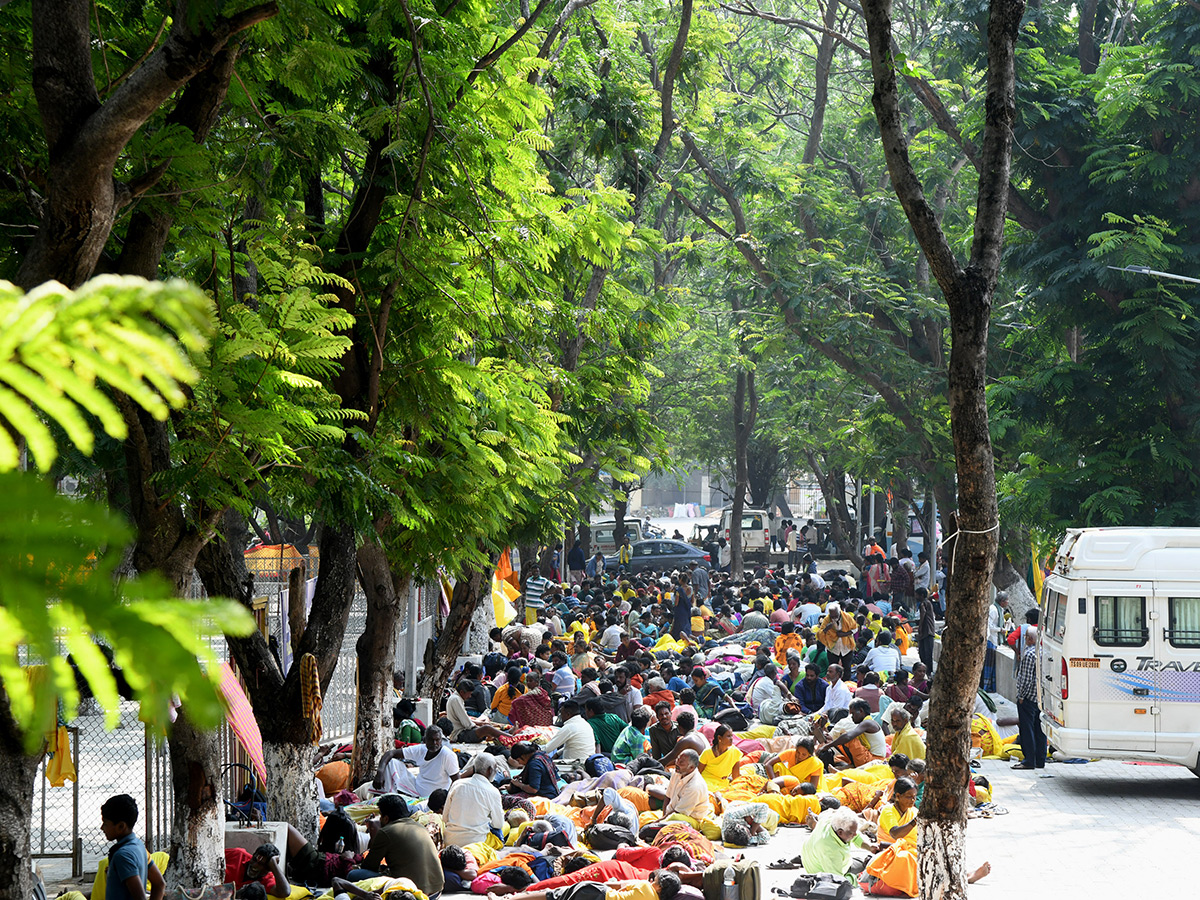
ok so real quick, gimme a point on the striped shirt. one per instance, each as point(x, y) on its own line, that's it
point(535, 590)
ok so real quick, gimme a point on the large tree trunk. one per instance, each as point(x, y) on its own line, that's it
point(441, 654)
point(386, 596)
point(86, 137)
point(291, 789)
point(197, 823)
point(972, 551)
point(17, 773)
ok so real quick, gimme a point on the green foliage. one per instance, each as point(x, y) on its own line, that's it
point(59, 593)
point(67, 550)
point(60, 348)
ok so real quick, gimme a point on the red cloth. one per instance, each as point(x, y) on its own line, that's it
point(236, 860)
point(609, 870)
point(663, 696)
point(648, 858)
point(532, 708)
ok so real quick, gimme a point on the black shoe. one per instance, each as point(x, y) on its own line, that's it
point(1021, 766)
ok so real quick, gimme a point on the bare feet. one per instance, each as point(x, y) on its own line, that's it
point(979, 873)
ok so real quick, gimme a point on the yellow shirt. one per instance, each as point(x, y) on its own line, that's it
point(891, 818)
point(909, 743)
point(803, 769)
point(503, 699)
point(717, 769)
point(639, 890)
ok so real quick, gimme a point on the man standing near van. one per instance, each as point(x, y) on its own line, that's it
point(1033, 740)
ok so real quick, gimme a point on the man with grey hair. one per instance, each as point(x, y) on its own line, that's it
point(473, 805)
point(995, 621)
point(905, 740)
point(835, 846)
point(686, 798)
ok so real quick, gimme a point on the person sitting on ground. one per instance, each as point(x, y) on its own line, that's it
point(710, 696)
point(870, 690)
point(686, 797)
point(534, 708)
point(538, 775)
point(856, 739)
point(900, 691)
point(606, 726)
point(689, 738)
point(792, 768)
point(810, 693)
point(885, 656)
point(436, 767)
point(575, 738)
point(473, 808)
point(403, 845)
point(503, 699)
point(459, 724)
point(835, 846)
point(904, 738)
point(633, 740)
point(664, 733)
point(722, 762)
point(898, 819)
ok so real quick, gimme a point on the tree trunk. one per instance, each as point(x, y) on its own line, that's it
point(17, 773)
point(441, 655)
point(197, 820)
point(833, 489)
point(899, 514)
point(386, 596)
point(972, 551)
point(620, 506)
point(87, 137)
point(291, 789)
point(740, 478)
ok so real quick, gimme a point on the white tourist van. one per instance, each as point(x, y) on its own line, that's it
point(1119, 654)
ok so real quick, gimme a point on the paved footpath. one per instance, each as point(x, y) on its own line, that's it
point(1100, 831)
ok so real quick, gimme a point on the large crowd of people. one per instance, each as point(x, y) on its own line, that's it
point(627, 731)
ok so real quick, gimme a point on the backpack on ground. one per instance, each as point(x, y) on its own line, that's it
point(733, 718)
point(747, 876)
point(822, 886)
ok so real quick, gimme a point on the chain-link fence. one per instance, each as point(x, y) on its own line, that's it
point(127, 760)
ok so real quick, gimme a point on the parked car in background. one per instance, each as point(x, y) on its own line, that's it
point(602, 534)
point(661, 555)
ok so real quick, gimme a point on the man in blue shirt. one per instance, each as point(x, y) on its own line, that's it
point(129, 865)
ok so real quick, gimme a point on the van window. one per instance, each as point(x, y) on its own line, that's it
point(1060, 617)
point(1185, 621)
point(1121, 622)
point(1055, 614)
point(752, 523)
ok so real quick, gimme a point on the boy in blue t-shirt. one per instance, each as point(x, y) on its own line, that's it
point(129, 866)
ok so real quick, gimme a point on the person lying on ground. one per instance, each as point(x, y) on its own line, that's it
point(660, 885)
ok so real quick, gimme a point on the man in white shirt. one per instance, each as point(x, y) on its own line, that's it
point(884, 656)
point(436, 767)
point(575, 736)
point(837, 695)
point(809, 614)
point(473, 805)
point(686, 793)
point(924, 572)
point(562, 674)
point(611, 638)
point(633, 696)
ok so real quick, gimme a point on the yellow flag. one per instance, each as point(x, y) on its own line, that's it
point(503, 594)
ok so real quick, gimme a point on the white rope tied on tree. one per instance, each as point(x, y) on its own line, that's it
point(959, 531)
